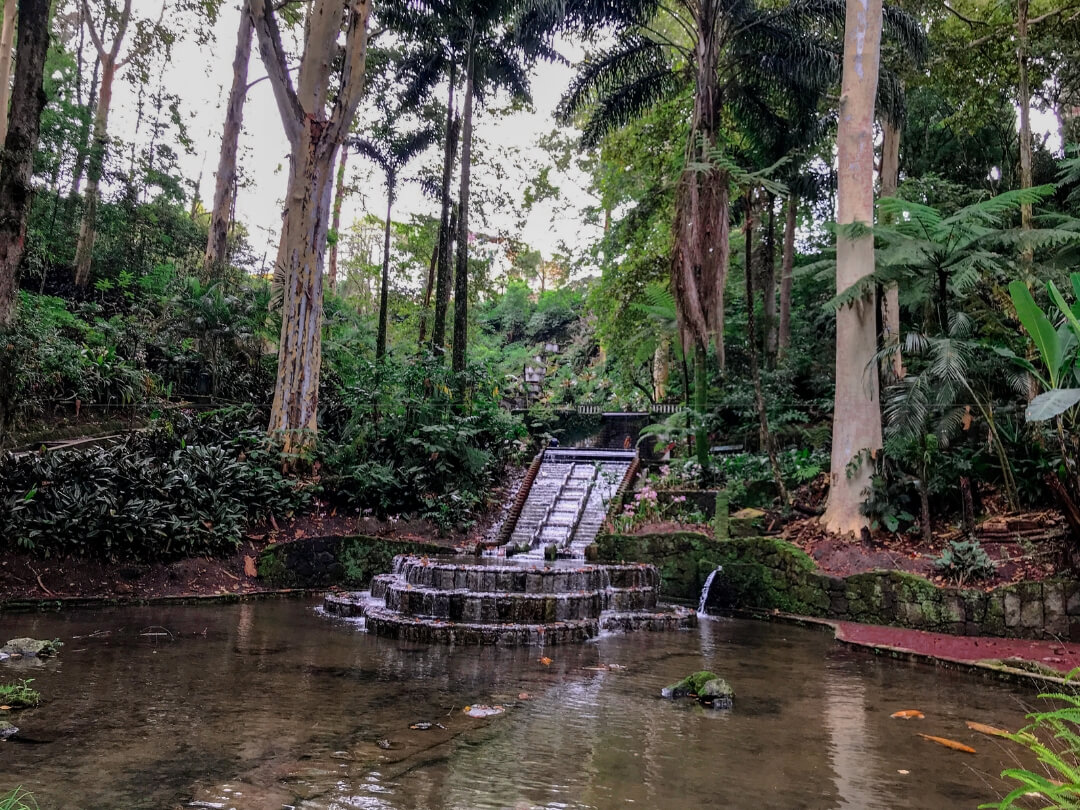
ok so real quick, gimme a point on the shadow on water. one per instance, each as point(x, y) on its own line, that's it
point(270, 705)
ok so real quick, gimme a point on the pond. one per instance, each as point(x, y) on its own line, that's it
point(271, 705)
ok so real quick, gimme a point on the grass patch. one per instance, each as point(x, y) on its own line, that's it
point(18, 696)
point(18, 799)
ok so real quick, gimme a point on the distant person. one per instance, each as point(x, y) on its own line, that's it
point(626, 442)
point(554, 442)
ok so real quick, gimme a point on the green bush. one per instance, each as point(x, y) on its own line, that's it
point(965, 560)
point(184, 488)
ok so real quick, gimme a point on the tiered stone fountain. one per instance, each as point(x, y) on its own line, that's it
point(490, 601)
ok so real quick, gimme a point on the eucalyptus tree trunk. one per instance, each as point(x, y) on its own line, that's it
point(83, 147)
point(787, 270)
point(16, 173)
point(856, 436)
point(890, 299)
point(315, 133)
point(384, 289)
point(443, 278)
point(461, 271)
point(661, 368)
point(225, 182)
point(768, 283)
point(84, 249)
point(339, 198)
point(7, 45)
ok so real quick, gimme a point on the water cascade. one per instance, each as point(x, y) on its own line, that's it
point(704, 600)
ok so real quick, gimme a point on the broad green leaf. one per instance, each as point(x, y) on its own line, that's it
point(1075, 277)
point(1040, 329)
point(1066, 310)
point(1052, 403)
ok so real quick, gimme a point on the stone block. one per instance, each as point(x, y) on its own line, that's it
point(1031, 615)
point(1054, 622)
point(1012, 609)
point(1072, 598)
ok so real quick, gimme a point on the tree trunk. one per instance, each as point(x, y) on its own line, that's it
point(83, 147)
point(220, 215)
point(661, 369)
point(1024, 102)
point(429, 289)
point(384, 289)
point(857, 412)
point(84, 250)
point(768, 283)
point(16, 172)
point(461, 271)
point(752, 350)
point(443, 278)
point(787, 270)
point(7, 44)
point(701, 404)
point(339, 198)
point(890, 299)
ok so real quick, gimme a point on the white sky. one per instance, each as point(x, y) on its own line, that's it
point(202, 77)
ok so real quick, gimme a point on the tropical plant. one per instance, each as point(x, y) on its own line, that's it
point(964, 561)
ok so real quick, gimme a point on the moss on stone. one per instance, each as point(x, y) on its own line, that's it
point(319, 562)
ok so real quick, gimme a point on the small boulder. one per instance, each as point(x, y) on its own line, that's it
point(708, 687)
point(7, 730)
point(31, 647)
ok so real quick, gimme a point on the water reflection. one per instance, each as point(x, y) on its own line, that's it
point(269, 705)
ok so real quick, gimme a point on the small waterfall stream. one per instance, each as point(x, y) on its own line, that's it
point(704, 600)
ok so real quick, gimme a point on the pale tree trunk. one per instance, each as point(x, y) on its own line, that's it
point(83, 147)
point(890, 299)
point(315, 133)
point(768, 282)
point(339, 198)
point(1025, 114)
point(787, 271)
point(857, 411)
point(384, 287)
point(461, 271)
point(443, 280)
point(16, 188)
point(7, 44)
point(661, 369)
point(429, 289)
point(225, 182)
point(84, 249)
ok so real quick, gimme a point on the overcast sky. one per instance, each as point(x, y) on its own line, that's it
point(202, 77)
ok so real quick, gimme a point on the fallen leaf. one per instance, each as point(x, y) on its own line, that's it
point(904, 772)
point(522, 696)
point(953, 744)
point(908, 714)
point(545, 661)
point(982, 728)
point(5, 708)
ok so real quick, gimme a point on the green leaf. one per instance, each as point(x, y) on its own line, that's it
point(1066, 310)
point(1040, 329)
point(1052, 403)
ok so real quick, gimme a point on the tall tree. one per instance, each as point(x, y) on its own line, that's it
point(110, 64)
point(316, 125)
point(225, 181)
point(7, 44)
point(16, 170)
point(391, 150)
point(787, 274)
point(856, 437)
point(335, 224)
point(890, 298)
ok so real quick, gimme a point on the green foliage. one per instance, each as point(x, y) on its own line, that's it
point(18, 799)
point(964, 561)
point(183, 488)
point(1058, 348)
point(19, 695)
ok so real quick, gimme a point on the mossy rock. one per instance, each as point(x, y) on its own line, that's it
point(7, 729)
point(690, 685)
point(30, 647)
point(708, 687)
point(319, 562)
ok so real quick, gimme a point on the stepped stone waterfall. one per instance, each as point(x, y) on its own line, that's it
point(522, 597)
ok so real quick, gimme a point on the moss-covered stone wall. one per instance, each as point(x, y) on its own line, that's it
point(771, 574)
point(319, 562)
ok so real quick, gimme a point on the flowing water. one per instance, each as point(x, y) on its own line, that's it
point(270, 705)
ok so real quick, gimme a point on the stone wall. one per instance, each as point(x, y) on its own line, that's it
point(319, 562)
point(771, 574)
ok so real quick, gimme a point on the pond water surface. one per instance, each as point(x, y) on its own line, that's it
point(271, 705)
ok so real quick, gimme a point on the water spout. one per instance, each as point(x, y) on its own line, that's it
point(704, 600)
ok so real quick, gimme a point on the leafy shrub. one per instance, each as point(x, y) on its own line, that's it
point(19, 695)
point(965, 560)
point(180, 489)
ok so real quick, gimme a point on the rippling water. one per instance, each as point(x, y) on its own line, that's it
point(270, 705)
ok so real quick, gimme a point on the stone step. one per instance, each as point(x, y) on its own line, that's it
point(383, 622)
point(496, 608)
point(661, 620)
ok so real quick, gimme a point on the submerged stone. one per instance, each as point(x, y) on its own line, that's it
point(716, 693)
point(7, 730)
point(32, 646)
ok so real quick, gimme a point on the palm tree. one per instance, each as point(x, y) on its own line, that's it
point(391, 150)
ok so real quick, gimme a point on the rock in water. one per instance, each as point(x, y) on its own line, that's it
point(7, 730)
point(717, 693)
point(32, 646)
point(707, 687)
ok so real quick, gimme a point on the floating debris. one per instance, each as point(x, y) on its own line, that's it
point(424, 726)
point(982, 728)
point(945, 741)
point(908, 714)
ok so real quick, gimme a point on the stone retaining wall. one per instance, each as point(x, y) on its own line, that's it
point(319, 562)
point(769, 573)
